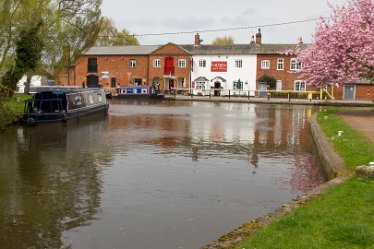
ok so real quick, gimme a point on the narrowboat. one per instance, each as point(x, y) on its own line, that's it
point(138, 91)
point(62, 104)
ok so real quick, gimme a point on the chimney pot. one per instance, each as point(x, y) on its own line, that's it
point(258, 37)
point(253, 39)
point(300, 40)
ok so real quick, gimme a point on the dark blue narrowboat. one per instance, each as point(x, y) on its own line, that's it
point(62, 104)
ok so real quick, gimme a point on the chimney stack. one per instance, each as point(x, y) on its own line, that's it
point(197, 39)
point(258, 37)
point(253, 39)
point(300, 40)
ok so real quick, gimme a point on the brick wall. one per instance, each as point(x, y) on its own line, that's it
point(177, 53)
point(286, 76)
point(118, 67)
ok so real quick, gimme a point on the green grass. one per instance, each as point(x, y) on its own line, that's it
point(352, 146)
point(11, 109)
point(16, 103)
point(343, 217)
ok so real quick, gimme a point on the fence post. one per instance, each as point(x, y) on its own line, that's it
point(229, 93)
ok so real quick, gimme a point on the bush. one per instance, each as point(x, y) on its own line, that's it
point(11, 109)
point(7, 117)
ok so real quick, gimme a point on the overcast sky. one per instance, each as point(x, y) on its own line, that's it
point(163, 16)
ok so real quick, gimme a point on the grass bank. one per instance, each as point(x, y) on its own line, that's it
point(11, 109)
point(343, 217)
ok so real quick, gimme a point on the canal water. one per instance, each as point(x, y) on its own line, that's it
point(152, 174)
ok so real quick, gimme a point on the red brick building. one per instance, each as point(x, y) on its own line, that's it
point(112, 67)
point(170, 66)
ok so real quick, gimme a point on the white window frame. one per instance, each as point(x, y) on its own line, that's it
point(265, 64)
point(202, 63)
point(279, 85)
point(132, 63)
point(238, 63)
point(200, 85)
point(235, 85)
point(181, 63)
point(156, 63)
point(300, 86)
point(294, 65)
point(280, 64)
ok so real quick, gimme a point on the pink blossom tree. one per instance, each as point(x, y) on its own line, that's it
point(342, 50)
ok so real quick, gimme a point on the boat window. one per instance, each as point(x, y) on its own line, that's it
point(90, 99)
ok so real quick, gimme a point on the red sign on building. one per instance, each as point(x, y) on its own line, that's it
point(219, 66)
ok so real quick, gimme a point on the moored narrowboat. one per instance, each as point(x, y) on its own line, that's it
point(61, 104)
point(138, 91)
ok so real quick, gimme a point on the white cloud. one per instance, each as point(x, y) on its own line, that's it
point(149, 16)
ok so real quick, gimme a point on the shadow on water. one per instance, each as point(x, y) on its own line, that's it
point(48, 182)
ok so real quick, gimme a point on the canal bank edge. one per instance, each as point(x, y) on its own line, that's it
point(332, 166)
point(256, 100)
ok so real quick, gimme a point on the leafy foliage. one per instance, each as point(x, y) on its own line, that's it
point(226, 40)
point(270, 80)
point(110, 36)
point(69, 27)
point(343, 48)
point(28, 54)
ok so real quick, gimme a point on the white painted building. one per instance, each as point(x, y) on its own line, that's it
point(223, 69)
point(219, 74)
point(36, 80)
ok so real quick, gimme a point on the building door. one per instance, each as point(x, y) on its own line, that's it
point(263, 89)
point(171, 84)
point(217, 88)
point(92, 81)
point(349, 92)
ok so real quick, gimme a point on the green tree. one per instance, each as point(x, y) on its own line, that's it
point(8, 10)
point(29, 47)
point(75, 25)
point(110, 36)
point(226, 40)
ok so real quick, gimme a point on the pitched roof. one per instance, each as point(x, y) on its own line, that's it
point(235, 49)
point(240, 49)
point(201, 78)
point(218, 78)
point(122, 50)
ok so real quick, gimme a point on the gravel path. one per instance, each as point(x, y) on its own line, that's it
point(361, 120)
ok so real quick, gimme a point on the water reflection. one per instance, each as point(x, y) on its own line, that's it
point(152, 174)
point(49, 183)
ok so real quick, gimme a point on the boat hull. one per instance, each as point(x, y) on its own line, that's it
point(33, 118)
